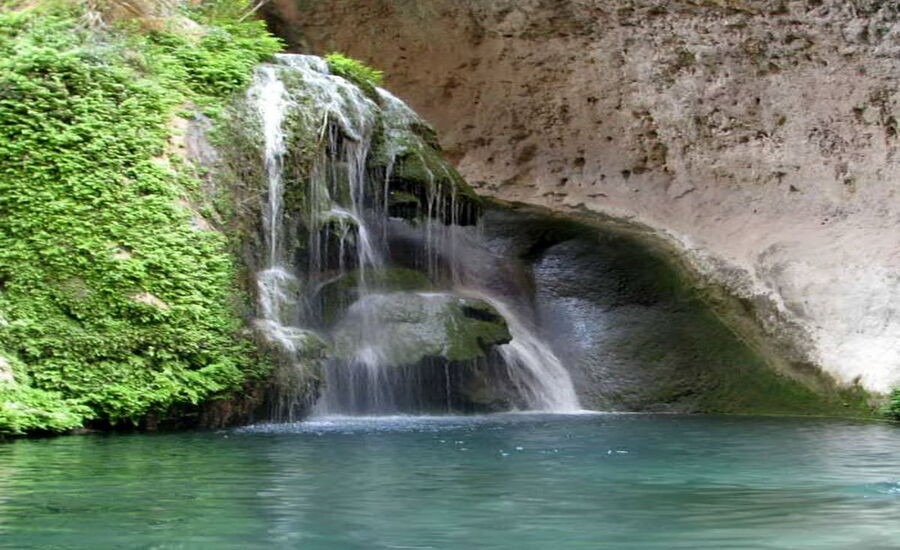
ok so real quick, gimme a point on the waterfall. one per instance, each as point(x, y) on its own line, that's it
point(328, 236)
point(532, 366)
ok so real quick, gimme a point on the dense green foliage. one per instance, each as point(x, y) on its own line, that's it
point(24, 409)
point(892, 407)
point(355, 71)
point(112, 306)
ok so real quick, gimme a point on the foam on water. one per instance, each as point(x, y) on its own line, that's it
point(411, 422)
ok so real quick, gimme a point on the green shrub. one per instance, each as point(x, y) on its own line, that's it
point(355, 71)
point(24, 410)
point(892, 407)
point(113, 304)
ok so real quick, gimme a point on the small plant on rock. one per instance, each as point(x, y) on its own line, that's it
point(892, 407)
point(355, 71)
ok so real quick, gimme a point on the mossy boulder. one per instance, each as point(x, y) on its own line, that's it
point(405, 328)
point(424, 185)
point(339, 293)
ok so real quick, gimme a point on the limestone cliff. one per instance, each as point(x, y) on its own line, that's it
point(758, 137)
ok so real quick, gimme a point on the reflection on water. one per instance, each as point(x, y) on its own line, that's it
point(506, 481)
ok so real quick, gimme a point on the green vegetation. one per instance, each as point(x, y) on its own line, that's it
point(892, 407)
point(24, 409)
point(112, 306)
point(355, 71)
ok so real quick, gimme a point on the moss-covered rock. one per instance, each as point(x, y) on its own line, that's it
point(403, 328)
point(300, 357)
point(337, 294)
point(421, 182)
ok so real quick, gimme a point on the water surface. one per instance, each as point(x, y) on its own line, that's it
point(507, 481)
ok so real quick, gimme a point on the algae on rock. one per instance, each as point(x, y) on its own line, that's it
point(404, 328)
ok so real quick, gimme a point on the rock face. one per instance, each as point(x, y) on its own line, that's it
point(760, 138)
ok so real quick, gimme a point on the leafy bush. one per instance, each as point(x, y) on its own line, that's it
point(892, 407)
point(24, 409)
point(209, 68)
point(355, 71)
point(114, 305)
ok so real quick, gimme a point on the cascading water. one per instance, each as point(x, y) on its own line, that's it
point(534, 369)
point(276, 284)
point(411, 330)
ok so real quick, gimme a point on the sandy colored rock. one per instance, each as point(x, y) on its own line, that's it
point(6, 373)
point(150, 300)
point(758, 137)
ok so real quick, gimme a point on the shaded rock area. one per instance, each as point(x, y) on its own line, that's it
point(759, 138)
point(637, 335)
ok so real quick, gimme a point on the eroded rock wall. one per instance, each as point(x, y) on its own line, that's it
point(760, 137)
